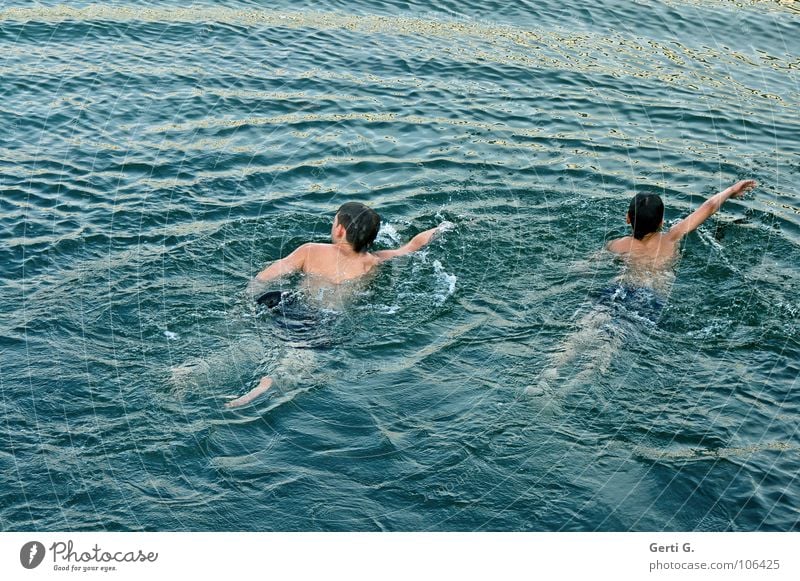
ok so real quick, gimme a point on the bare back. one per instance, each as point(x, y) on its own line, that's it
point(336, 263)
point(648, 262)
point(655, 252)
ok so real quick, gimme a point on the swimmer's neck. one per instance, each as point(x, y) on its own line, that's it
point(344, 247)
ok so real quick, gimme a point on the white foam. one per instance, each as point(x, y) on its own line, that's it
point(445, 226)
point(445, 282)
point(171, 336)
point(715, 329)
point(388, 234)
point(709, 239)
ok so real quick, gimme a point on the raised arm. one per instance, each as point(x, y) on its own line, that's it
point(416, 243)
point(282, 267)
point(708, 208)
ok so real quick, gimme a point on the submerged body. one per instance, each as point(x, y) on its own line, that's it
point(640, 291)
point(632, 302)
point(650, 254)
point(330, 267)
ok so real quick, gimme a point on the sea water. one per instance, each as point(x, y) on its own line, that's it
point(155, 156)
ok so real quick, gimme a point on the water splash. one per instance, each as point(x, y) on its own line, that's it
point(445, 283)
point(388, 234)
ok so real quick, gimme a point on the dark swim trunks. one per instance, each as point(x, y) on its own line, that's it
point(272, 299)
point(634, 303)
point(296, 322)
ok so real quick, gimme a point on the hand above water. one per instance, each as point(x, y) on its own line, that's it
point(445, 226)
point(425, 237)
point(738, 190)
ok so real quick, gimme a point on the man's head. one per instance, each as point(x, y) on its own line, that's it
point(359, 225)
point(645, 214)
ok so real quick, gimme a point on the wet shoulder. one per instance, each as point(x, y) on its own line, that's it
point(658, 248)
point(620, 245)
point(318, 250)
point(372, 260)
point(317, 247)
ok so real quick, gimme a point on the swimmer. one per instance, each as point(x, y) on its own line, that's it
point(346, 258)
point(354, 229)
point(638, 296)
point(650, 250)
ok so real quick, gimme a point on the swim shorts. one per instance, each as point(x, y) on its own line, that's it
point(636, 303)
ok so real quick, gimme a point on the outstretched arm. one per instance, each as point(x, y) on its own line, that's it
point(416, 243)
point(709, 208)
point(282, 267)
point(263, 385)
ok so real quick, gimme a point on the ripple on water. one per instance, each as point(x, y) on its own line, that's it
point(159, 156)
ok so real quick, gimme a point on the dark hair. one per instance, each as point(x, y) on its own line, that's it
point(646, 213)
point(361, 224)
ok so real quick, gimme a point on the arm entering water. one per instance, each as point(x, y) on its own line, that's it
point(416, 243)
point(263, 385)
point(709, 208)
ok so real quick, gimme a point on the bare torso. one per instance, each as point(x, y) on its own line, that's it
point(648, 261)
point(655, 251)
point(336, 263)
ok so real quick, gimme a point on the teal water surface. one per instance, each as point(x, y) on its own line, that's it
point(155, 156)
